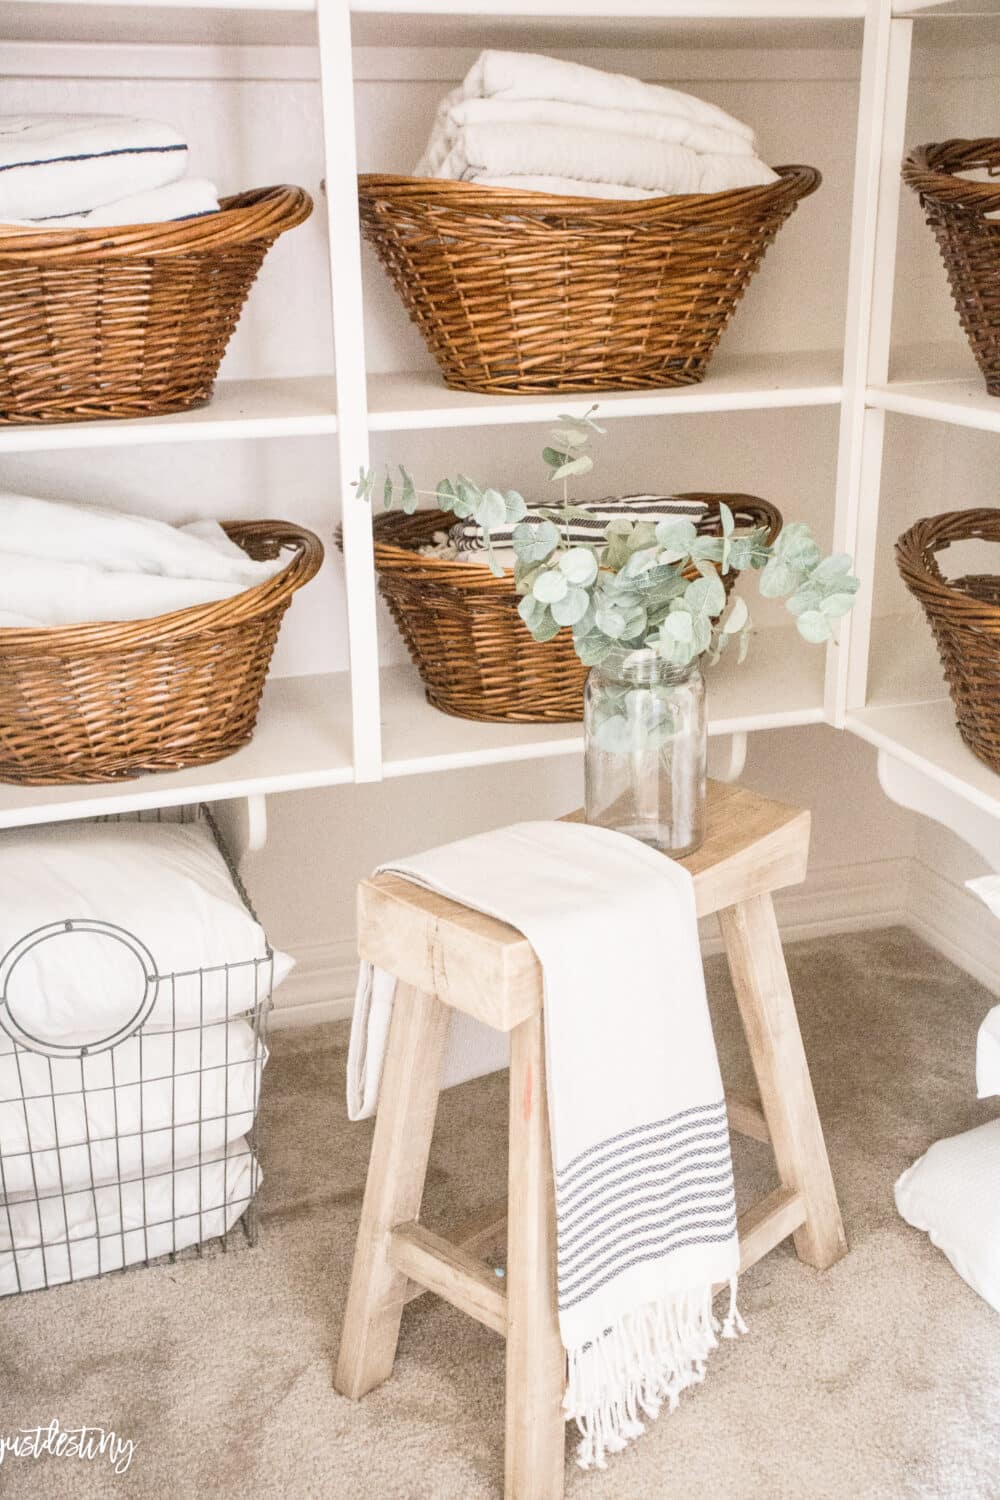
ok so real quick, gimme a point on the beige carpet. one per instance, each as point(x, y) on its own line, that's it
point(878, 1379)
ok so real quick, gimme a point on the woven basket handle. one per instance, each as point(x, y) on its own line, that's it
point(930, 171)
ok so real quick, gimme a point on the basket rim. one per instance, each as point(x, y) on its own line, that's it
point(182, 624)
point(930, 171)
point(258, 213)
point(916, 560)
point(474, 576)
point(796, 181)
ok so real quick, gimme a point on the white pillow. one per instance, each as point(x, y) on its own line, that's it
point(165, 893)
point(953, 1194)
point(988, 1055)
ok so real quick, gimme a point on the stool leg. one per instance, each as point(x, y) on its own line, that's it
point(767, 1008)
point(536, 1360)
point(396, 1171)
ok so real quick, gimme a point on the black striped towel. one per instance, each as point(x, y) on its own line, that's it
point(467, 536)
point(645, 1206)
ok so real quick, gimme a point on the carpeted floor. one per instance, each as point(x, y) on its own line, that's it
point(878, 1379)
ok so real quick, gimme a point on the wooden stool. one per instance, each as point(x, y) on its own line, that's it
point(448, 957)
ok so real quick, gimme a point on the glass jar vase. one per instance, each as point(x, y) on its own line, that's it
point(645, 750)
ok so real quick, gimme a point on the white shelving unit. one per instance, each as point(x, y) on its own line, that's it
point(321, 728)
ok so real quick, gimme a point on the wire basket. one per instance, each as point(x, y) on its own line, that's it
point(144, 1143)
point(475, 655)
point(130, 322)
point(517, 292)
point(84, 703)
point(964, 614)
point(960, 214)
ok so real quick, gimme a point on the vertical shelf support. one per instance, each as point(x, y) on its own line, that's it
point(880, 339)
point(333, 19)
point(857, 333)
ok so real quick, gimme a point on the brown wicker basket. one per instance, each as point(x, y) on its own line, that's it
point(473, 651)
point(517, 292)
point(957, 210)
point(103, 702)
point(129, 322)
point(964, 614)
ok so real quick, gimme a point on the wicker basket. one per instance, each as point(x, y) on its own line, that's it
point(103, 702)
point(517, 292)
point(957, 210)
point(474, 653)
point(129, 322)
point(964, 614)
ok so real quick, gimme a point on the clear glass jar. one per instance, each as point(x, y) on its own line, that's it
point(645, 750)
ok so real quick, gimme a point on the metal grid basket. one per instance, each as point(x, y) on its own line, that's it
point(144, 1144)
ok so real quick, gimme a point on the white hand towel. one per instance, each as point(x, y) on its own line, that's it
point(69, 164)
point(155, 1099)
point(90, 1232)
point(645, 1206)
point(679, 129)
point(529, 75)
point(590, 156)
point(190, 198)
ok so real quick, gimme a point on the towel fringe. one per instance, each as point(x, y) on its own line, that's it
point(647, 1358)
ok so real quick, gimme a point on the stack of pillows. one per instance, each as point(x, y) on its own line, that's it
point(95, 171)
point(111, 1154)
point(520, 120)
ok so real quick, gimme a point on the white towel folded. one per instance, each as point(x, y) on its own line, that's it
point(65, 1237)
point(190, 198)
point(645, 1206)
point(529, 75)
point(458, 115)
point(73, 564)
point(156, 1099)
point(583, 157)
point(70, 164)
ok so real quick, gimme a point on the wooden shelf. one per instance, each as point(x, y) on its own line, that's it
point(941, 384)
point(780, 683)
point(303, 739)
point(291, 406)
point(924, 737)
point(738, 383)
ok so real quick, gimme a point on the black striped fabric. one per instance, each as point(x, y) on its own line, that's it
point(641, 1195)
point(467, 536)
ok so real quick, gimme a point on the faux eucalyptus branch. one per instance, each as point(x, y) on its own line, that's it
point(647, 585)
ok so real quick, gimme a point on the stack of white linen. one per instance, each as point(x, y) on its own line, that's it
point(96, 171)
point(520, 120)
point(63, 564)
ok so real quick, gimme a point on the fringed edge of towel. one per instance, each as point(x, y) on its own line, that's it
point(649, 1356)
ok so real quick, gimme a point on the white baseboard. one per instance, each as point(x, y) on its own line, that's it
point(955, 922)
point(845, 898)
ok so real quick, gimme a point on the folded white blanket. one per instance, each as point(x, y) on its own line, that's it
point(70, 564)
point(529, 75)
point(86, 1233)
point(154, 1100)
point(190, 198)
point(582, 157)
point(568, 187)
point(70, 164)
point(459, 114)
point(645, 1206)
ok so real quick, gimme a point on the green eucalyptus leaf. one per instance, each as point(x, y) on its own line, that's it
point(835, 605)
point(491, 510)
point(572, 607)
point(365, 481)
point(534, 542)
point(494, 566)
point(593, 648)
point(611, 619)
point(530, 610)
point(736, 617)
point(679, 626)
point(555, 457)
point(814, 626)
point(550, 586)
point(387, 491)
point(727, 518)
point(676, 536)
point(409, 501)
point(580, 465)
point(446, 496)
point(572, 435)
point(516, 507)
point(545, 628)
point(778, 579)
point(744, 647)
point(706, 596)
point(580, 566)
